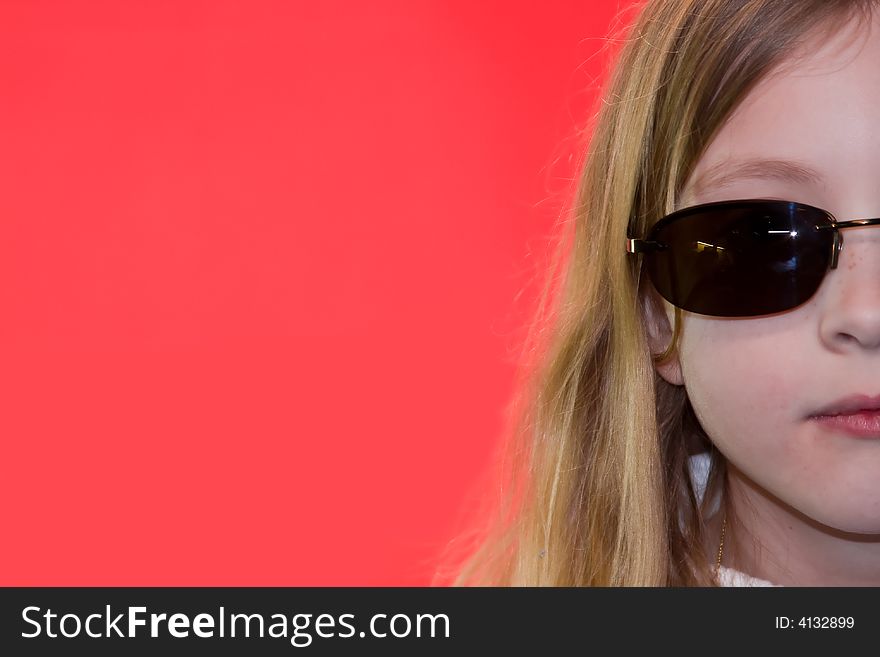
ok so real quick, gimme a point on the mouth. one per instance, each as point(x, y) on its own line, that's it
point(857, 415)
point(851, 404)
point(861, 424)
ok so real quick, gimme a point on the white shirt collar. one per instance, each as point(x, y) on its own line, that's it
point(731, 577)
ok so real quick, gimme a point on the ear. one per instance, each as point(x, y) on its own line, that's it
point(659, 322)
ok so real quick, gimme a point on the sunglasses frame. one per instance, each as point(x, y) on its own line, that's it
point(650, 244)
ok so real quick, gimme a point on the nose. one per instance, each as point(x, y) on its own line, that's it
point(850, 314)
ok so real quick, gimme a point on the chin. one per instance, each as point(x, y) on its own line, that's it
point(850, 521)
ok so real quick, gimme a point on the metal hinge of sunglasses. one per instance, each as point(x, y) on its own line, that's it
point(634, 245)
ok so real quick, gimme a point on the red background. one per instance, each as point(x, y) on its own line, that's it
point(263, 275)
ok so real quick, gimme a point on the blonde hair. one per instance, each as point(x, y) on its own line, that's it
point(595, 483)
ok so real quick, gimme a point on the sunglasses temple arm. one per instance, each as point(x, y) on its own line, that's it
point(634, 245)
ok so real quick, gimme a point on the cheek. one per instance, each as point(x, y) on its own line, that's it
point(748, 384)
point(742, 386)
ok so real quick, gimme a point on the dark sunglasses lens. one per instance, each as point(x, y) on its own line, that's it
point(741, 260)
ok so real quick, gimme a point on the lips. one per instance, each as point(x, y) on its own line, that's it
point(865, 424)
point(856, 415)
point(853, 404)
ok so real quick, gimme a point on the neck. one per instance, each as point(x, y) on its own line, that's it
point(793, 550)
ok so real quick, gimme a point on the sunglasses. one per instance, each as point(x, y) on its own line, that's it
point(742, 258)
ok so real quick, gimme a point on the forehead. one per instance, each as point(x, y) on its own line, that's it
point(811, 124)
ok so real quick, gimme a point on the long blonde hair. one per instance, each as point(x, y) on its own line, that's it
point(595, 483)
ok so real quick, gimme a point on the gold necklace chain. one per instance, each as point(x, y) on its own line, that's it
point(721, 545)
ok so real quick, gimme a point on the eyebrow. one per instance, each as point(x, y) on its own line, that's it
point(726, 172)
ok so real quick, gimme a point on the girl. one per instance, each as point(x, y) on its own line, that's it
point(705, 407)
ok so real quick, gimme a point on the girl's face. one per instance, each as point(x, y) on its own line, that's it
point(814, 494)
